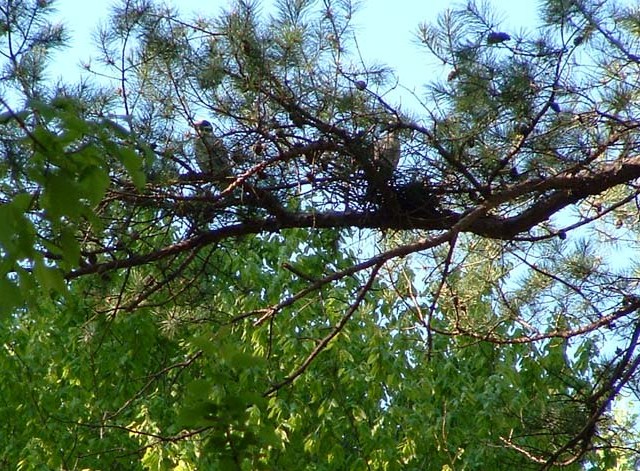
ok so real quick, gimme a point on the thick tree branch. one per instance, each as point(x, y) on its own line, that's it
point(555, 193)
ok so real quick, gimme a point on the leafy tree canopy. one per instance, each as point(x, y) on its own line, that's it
point(227, 247)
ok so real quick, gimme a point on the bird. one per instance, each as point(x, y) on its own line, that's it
point(497, 37)
point(384, 160)
point(386, 152)
point(212, 156)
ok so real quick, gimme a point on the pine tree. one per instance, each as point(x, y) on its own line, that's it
point(315, 277)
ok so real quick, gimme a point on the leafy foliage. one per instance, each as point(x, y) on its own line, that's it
point(456, 306)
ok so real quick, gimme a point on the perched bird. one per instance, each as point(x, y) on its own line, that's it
point(211, 154)
point(361, 85)
point(386, 152)
point(385, 158)
point(497, 37)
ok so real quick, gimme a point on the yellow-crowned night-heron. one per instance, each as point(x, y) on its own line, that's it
point(386, 153)
point(211, 154)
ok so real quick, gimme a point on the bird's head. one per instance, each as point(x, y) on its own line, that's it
point(390, 126)
point(203, 127)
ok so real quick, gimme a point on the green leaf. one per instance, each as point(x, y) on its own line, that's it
point(70, 248)
point(134, 165)
point(51, 279)
point(60, 196)
point(11, 296)
point(16, 231)
point(93, 184)
point(200, 414)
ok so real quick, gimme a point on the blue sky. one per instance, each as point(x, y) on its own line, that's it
point(385, 30)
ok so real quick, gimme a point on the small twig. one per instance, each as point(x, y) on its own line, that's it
point(436, 296)
point(335, 331)
point(154, 377)
point(297, 272)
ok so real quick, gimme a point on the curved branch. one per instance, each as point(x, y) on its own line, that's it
point(561, 191)
point(335, 331)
